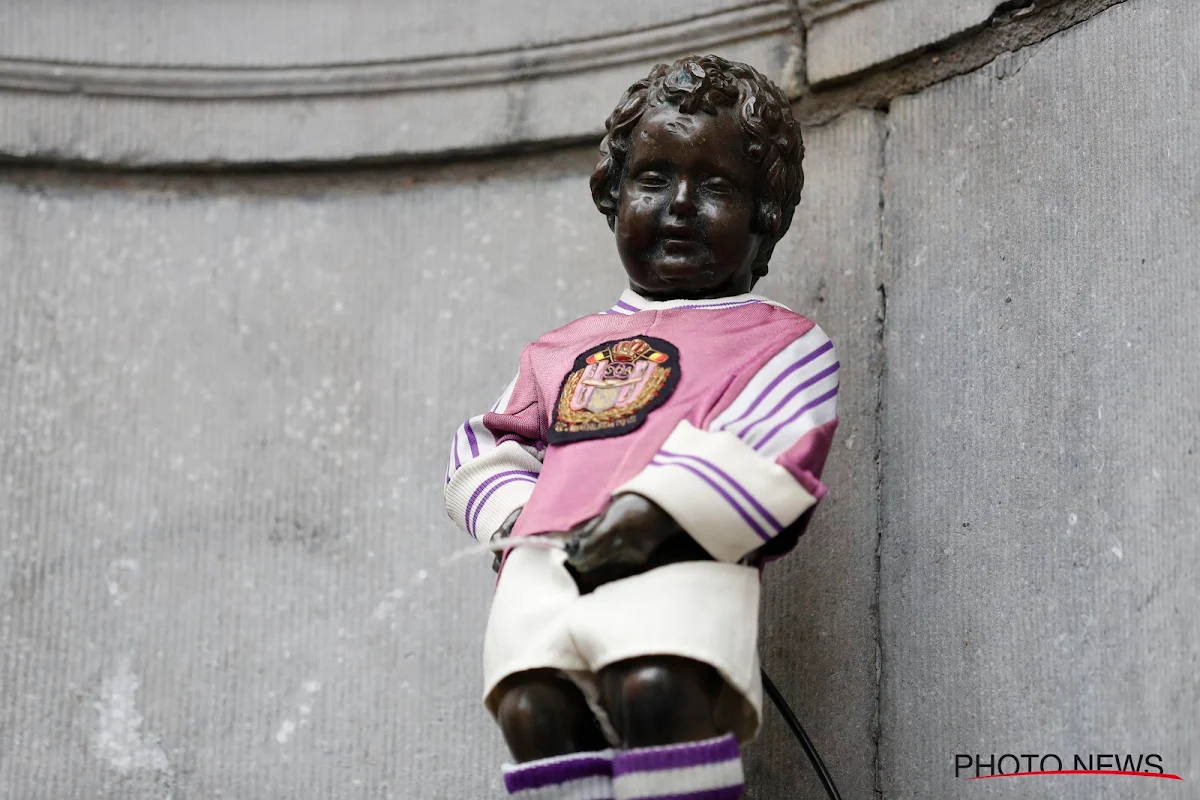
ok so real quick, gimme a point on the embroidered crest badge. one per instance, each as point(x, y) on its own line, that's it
point(612, 387)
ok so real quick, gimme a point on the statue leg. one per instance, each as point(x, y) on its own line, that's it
point(543, 715)
point(664, 708)
point(661, 700)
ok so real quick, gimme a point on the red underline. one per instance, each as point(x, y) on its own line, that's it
point(1168, 776)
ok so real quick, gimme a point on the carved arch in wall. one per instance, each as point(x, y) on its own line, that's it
point(227, 83)
point(257, 82)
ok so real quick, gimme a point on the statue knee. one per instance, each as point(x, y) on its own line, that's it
point(650, 699)
point(525, 712)
point(544, 717)
point(665, 702)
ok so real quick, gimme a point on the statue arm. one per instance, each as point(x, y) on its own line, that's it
point(495, 460)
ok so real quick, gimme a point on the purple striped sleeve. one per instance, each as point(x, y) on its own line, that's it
point(807, 407)
point(757, 528)
point(825, 348)
point(483, 485)
point(471, 439)
point(492, 491)
point(820, 376)
point(733, 483)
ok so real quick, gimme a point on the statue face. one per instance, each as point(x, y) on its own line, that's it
point(686, 207)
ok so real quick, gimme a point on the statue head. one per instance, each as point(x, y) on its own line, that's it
point(699, 176)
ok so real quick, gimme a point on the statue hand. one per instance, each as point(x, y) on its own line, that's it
point(623, 535)
point(502, 533)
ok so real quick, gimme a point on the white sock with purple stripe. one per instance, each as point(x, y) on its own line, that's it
point(575, 776)
point(708, 770)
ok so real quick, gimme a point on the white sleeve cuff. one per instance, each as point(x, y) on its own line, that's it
point(484, 491)
point(728, 497)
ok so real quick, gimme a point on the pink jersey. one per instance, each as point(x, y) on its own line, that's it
point(721, 411)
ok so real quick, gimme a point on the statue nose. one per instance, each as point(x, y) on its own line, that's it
point(681, 199)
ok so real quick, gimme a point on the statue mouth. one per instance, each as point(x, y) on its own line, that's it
point(676, 230)
point(678, 245)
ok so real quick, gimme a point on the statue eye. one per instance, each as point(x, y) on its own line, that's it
point(652, 180)
point(720, 186)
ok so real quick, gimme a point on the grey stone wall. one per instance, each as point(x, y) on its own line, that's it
point(1040, 558)
point(225, 404)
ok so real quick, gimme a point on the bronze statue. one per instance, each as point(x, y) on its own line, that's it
point(673, 442)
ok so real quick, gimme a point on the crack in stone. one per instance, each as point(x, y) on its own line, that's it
point(881, 255)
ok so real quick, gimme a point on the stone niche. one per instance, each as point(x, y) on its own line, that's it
point(319, 82)
point(234, 83)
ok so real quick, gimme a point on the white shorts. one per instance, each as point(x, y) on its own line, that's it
point(703, 610)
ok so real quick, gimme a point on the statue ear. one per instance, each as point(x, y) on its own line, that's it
point(758, 267)
point(767, 218)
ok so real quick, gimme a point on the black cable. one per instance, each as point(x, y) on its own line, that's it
point(809, 749)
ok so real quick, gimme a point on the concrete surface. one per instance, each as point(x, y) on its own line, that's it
point(1040, 561)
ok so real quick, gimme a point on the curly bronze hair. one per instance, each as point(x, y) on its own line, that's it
point(710, 83)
